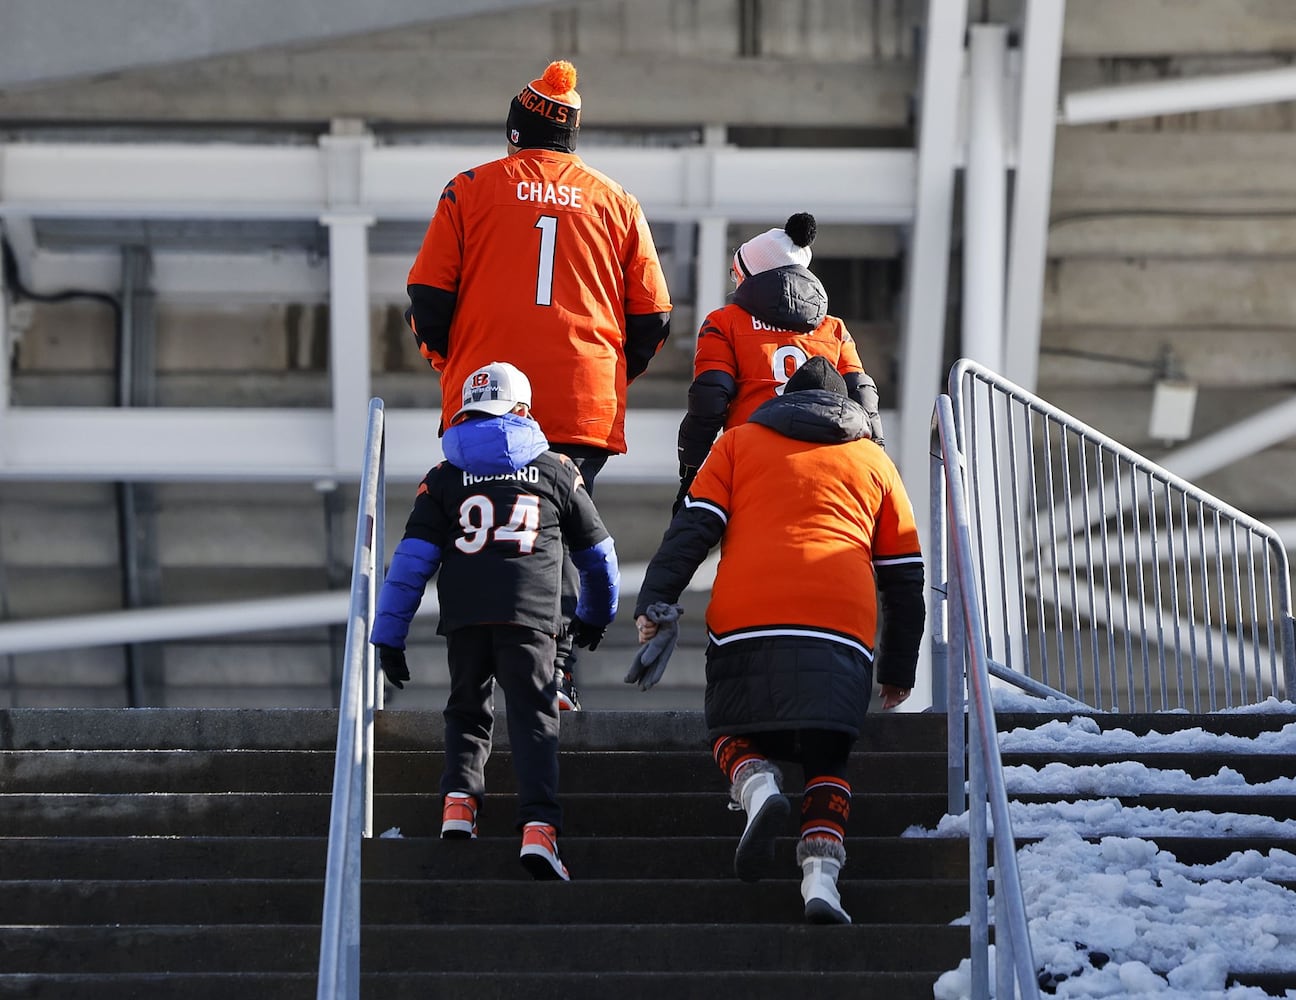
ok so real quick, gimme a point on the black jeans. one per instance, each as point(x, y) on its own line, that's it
point(590, 461)
point(522, 661)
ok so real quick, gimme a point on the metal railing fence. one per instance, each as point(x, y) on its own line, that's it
point(351, 815)
point(958, 639)
point(1104, 576)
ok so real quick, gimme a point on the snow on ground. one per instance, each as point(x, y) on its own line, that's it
point(1121, 917)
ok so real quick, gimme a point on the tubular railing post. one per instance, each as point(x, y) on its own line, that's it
point(937, 598)
point(371, 683)
point(986, 784)
point(351, 812)
point(1288, 627)
point(978, 867)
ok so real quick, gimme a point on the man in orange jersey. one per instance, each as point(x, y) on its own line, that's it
point(539, 260)
point(817, 531)
point(775, 320)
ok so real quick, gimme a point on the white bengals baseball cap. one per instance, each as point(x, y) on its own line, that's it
point(494, 389)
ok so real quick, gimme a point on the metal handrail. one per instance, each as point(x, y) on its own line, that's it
point(1106, 576)
point(351, 816)
point(968, 669)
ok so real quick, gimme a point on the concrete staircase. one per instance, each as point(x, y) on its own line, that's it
point(161, 853)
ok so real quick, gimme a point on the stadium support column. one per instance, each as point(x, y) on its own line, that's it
point(349, 335)
point(711, 277)
point(985, 197)
point(343, 151)
point(1041, 56)
point(927, 264)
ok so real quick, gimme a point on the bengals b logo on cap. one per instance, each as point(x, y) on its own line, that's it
point(494, 389)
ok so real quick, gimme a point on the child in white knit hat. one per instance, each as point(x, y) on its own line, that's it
point(775, 321)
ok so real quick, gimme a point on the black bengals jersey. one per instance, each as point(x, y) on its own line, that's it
point(500, 539)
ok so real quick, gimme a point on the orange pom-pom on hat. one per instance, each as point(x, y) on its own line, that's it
point(546, 112)
point(558, 83)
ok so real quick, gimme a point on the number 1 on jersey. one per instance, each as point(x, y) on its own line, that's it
point(548, 226)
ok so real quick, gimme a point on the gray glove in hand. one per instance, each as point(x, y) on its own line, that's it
point(651, 659)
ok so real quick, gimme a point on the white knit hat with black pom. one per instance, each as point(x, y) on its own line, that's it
point(777, 247)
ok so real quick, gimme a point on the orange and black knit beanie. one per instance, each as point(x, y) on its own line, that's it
point(546, 114)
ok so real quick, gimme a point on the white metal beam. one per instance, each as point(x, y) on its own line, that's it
point(162, 444)
point(985, 197)
point(244, 181)
point(270, 614)
point(1041, 57)
point(922, 338)
point(1231, 444)
point(349, 336)
point(181, 276)
point(1180, 96)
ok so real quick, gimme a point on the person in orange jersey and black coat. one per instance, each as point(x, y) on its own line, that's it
point(818, 530)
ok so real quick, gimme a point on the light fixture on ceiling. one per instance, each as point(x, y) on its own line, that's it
point(1174, 400)
point(1174, 395)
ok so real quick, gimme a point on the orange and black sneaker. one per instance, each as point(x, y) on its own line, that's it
point(459, 817)
point(568, 699)
point(540, 853)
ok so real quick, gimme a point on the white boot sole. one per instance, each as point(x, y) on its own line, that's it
point(821, 911)
point(755, 855)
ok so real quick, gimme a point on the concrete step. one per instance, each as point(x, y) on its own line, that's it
point(1245, 725)
point(677, 947)
point(396, 729)
point(630, 814)
point(534, 985)
point(404, 948)
point(150, 948)
point(205, 830)
point(214, 858)
point(1279, 807)
point(301, 814)
point(671, 771)
point(1256, 768)
point(405, 901)
point(121, 771)
point(759, 985)
point(167, 729)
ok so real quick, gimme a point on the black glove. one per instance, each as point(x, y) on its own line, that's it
point(392, 661)
point(650, 662)
point(584, 634)
point(687, 473)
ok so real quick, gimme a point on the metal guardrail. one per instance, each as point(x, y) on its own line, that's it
point(351, 816)
point(1106, 577)
point(959, 645)
point(1068, 565)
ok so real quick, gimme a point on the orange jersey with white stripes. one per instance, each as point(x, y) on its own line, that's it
point(546, 256)
point(761, 359)
point(805, 524)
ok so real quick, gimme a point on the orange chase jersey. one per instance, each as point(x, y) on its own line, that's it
point(761, 359)
point(546, 257)
point(805, 524)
